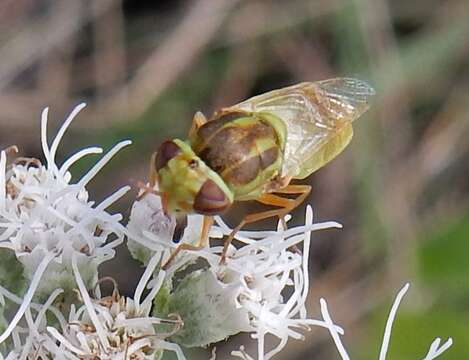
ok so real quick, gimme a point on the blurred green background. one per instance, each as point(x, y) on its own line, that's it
point(401, 188)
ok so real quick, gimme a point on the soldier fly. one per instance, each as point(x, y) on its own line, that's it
point(252, 151)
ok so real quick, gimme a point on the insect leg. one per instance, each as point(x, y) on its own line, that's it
point(197, 121)
point(153, 179)
point(286, 205)
point(290, 204)
point(207, 224)
point(295, 189)
point(152, 172)
point(302, 191)
point(247, 220)
point(275, 200)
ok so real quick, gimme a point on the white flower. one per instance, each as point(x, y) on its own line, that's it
point(434, 351)
point(116, 328)
point(249, 293)
point(46, 218)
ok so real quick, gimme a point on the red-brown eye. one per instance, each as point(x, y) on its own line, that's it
point(166, 152)
point(211, 200)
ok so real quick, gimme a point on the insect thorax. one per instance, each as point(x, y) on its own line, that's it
point(245, 149)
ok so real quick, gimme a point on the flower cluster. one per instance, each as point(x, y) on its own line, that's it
point(54, 237)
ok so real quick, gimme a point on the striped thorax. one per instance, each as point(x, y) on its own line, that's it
point(245, 149)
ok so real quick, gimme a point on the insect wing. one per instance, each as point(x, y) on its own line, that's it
point(344, 98)
point(318, 117)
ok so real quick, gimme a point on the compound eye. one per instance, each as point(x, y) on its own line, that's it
point(166, 152)
point(211, 200)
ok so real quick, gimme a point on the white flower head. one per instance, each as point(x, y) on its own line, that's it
point(115, 327)
point(262, 288)
point(47, 218)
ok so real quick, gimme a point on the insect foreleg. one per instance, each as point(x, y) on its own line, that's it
point(206, 226)
point(153, 179)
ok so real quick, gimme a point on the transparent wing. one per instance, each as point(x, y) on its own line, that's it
point(318, 117)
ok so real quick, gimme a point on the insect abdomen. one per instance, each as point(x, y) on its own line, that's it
point(243, 148)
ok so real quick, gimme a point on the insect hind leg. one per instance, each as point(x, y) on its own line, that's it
point(286, 205)
point(251, 218)
point(302, 190)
